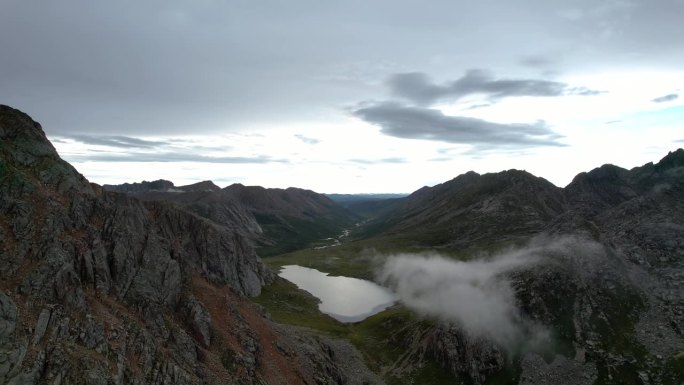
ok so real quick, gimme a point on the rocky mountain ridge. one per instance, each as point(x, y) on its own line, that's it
point(277, 220)
point(473, 209)
point(612, 297)
point(102, 288)
point(517, 204)
point(160, 185)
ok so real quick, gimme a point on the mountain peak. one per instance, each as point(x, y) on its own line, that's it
point(205, 185)
point(24, 148)
point(673, 159)
point(141, 187)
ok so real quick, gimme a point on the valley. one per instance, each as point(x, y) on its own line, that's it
point(499, 278)
point(317, 192)
point(588, 295)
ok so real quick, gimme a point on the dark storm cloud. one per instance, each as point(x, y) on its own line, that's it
point(666, 98)
point(423, 123)
point(419, 87)
point(114, 141)
point(167, 67)
point(169, 157)
point(163, 67)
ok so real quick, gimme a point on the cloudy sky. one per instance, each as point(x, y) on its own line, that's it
point(346, 96)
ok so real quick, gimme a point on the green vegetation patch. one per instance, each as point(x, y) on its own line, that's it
point(290, 233)
point(674, 370)
point(380, 338)
point(290, 305)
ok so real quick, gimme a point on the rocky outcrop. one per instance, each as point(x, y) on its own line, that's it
point(465, 356)
point(328, 359)
point(612, 303)
point(212, 205)
point(101, 288)
point(8, 317)
point(160, 185)
point(276, 220)
point(560, 371)
point(141, 187)
point(206, 185)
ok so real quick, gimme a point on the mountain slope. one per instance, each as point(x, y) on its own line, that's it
point(278, 220)
point(615, 279)
point(291, 218)
point(473, 209)
point(102, 288)
point(367, 206)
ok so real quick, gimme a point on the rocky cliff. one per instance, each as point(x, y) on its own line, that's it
point(160, 186)
point(277, 220)
point(611, 297)
point(101, 288)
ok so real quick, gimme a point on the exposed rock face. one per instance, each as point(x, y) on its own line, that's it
point(560, 371)
point(464, 356)
point(277, 220)
point(206, 185)
point(291, 218)
point(141, 187)
point(102, 288)
point(614, 305)
point(8, 317)
point(160, 185)
point(292, 201)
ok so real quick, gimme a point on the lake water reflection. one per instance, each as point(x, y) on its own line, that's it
point(343, 298)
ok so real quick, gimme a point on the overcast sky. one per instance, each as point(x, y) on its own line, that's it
point(346, 96)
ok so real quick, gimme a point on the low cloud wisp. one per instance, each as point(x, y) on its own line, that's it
point(478, 294)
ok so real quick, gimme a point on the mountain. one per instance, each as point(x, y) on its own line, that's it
point(473, 209)
point(345, 199)
point(278, 220)
point(609, 186)
point(206, 185)
point(160, 185)
point(102, 288)
point(367, 206)
point(142, 187)
point(153, 285)
point(611, 297)
point(208, 203)
point(292, 218)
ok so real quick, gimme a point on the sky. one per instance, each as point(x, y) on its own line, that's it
point(346, 96)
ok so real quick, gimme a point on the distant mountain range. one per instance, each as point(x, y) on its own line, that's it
point(150, 282)
point(613, 296)
point(160, 185)
point(474, 208)
point(345, 199)
point(277, 220)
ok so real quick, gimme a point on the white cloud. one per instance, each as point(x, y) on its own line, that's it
point(477, 294)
